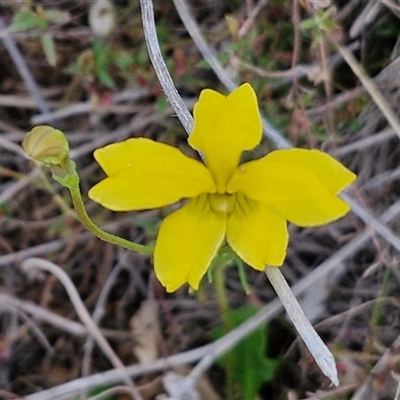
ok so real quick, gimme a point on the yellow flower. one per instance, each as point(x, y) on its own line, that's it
point(247, 205)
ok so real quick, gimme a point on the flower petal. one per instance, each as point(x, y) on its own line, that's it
point(145, 174)
point(257, 235)
point(223, 128)
point(300, 185)
point(187, 242)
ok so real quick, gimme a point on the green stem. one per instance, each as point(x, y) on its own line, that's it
point(71, 182)
point(66, 208)
point(379, 307)
point(219, 279)
point(223, 304)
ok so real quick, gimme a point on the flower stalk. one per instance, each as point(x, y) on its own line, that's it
point(50, 147)
point(95, 229)
point(219, 268)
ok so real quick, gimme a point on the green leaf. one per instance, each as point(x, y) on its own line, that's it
point(99, 390)
point(308, 24)
point(104, 77)
point(49, 49)
point(102, 63)
point(56, 16)
point(25, 20)
point(249, 364)
point(124, 60)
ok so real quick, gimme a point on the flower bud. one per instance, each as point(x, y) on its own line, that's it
point(47, 145)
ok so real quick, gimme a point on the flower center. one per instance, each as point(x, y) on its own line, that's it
point(222, 203)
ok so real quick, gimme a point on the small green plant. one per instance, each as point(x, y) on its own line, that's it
point(40, 19)
point(247, 363)
point(318, 25)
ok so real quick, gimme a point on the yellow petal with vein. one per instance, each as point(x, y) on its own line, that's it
point(257, 235)
point(187, 242)
point(223, 128)
point(300, 185)
point(144, 174)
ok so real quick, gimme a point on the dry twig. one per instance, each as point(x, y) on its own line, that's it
point(84, 315)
